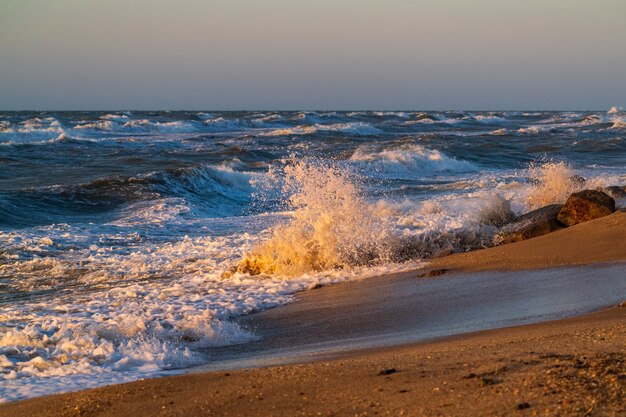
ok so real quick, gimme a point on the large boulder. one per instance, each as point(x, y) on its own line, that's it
point(584, 206)
point(532, 224)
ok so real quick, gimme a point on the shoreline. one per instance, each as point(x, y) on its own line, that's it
point(592, 243)
point(573, 366)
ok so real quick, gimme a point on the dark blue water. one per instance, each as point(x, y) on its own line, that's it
point(85, 166)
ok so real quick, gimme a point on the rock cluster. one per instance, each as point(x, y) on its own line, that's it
point(580, 207)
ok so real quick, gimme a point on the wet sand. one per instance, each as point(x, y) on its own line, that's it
point(404, 308)
point(575, 366)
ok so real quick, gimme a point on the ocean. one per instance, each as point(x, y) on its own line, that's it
point(129, 240)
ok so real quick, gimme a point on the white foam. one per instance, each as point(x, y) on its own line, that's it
point(618, 123)
point(408, 160)
point(158, 306)
point(331, 227)
point(222, 124)
point(36, 129)
point(205, 116)
point(498, 132)
point(115, 117)
point(96, 125)
point(614, 110)
point(570, 122)
point(267, 120)
point(400, 114)
point(488, 119)
point(356, 128)
point(145, 125)
point(295, 131)
point(531, 130)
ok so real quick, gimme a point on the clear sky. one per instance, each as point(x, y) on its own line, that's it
point(312, 54)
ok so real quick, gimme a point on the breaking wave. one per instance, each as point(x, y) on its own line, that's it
point(552, 184)
point(356, 128)
point(331, 226)
point(618, 123)
point(213, 190)
point(41, 129)
point(408, 160)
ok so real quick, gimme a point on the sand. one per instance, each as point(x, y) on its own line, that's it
point(575, 366)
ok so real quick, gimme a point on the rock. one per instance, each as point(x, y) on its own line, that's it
point(615, 191)
point(485, 381)
point(584, 206)
point(532, 224)
point(432, 273)
point(388, 371)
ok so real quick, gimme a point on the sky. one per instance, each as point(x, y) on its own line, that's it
point(312, 54)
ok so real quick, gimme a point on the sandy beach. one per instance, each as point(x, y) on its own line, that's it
point(572, 366)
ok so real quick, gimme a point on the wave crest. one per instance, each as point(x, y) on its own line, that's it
point(331, 227)
point(356, 128)
point(408, 160)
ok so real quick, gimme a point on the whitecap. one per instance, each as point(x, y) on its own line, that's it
point(618, 123)
point(145, 125)
point(407, 161)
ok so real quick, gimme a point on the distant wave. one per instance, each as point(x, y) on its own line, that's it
point(221, 123)
point(408, 160)
point(487, 119)
point(356, 128)
point(267, 120)
point(145, 125)
point(97, 125)
point(40, 129)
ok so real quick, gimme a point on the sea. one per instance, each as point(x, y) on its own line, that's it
point(129, 240)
